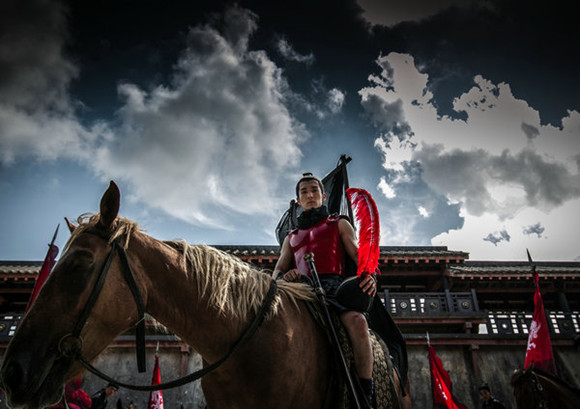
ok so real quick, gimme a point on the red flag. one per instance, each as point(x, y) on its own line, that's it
point(539, 350)
point(441, 385)
point(47, 266)
point(156, 397)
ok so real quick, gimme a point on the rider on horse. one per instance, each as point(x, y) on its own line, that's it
point(331, 238)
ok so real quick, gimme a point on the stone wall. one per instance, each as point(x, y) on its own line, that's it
point(496, 364)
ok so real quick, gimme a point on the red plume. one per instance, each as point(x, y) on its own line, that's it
point(367, 216)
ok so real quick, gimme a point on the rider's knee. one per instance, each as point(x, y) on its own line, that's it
point(356, 323)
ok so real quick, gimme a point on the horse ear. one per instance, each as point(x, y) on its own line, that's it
point(71, 226)
point(109, 206)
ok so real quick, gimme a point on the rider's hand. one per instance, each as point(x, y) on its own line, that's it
point(292, 275)
point(368, 284)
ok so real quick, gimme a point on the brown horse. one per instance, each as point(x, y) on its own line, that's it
point(204, 296)
point(537, 389)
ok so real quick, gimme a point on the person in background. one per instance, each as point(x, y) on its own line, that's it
point(100, 398)
point(488, 401)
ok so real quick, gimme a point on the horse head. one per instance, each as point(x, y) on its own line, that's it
point(41, 356)
point(528, 389)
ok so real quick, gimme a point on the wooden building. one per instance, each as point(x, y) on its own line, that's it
point(477, 315)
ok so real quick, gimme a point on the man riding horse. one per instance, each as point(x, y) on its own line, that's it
point(331, 238)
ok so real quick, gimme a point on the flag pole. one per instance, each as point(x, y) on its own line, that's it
point(54, 236)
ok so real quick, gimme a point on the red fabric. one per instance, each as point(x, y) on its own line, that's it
point(441, 385)
point(76, 398)
point(47, 266)
point(369, 235)
point(323, 241)
point(81, 399)
point(156, 397)
point(539, 350)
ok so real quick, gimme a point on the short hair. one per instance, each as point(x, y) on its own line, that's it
point(484, 387)
point(306, 177)
point(113, 385)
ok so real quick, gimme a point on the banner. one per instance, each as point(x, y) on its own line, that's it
point(156, 397)
point(47, 265)
point(441, 385)
point(539, 351)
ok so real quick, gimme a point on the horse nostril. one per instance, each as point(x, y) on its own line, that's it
point(11, 375)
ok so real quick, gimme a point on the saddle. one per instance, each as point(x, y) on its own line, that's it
point(383, 362)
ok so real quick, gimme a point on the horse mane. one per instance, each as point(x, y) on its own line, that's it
point(235, 287)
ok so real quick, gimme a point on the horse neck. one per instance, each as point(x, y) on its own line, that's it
point(559, 393)
point(174, 301)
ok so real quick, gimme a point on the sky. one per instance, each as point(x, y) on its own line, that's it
point(462, 118)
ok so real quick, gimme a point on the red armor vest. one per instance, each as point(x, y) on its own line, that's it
point(324, 241)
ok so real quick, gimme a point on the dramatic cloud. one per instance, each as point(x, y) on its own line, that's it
point(210, 145)
point(496, 163)
point(217, 139)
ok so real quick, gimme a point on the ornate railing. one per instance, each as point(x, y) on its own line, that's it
point(435, 303)
point(518, 323)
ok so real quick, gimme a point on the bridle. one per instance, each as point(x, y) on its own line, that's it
point(70, 345)
point(539, 397)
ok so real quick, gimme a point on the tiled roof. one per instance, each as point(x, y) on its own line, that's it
point(386, 251)
point(20, 267)
point(240, 250)
point(422, 252)
point(514, 268)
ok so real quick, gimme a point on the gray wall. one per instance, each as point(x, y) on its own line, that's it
point(496, 364)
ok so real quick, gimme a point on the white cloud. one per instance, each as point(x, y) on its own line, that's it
point(287, 51)
point(498, 163)
point(386, 189)
point(217, 140)
point(423, 212)
point(335, 100)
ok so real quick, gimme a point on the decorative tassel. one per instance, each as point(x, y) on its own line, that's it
point(367, 216)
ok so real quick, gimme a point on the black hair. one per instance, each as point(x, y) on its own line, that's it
point(308, 177)
point(484, 387)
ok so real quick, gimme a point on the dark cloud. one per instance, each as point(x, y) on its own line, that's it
point(470, 175)
point(497, 237)
point(32, 60)
point(534, 229)
point(389, 117)
point(531, 131)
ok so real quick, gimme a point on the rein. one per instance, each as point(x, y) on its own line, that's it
point(539, 397)
point(70, 345)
